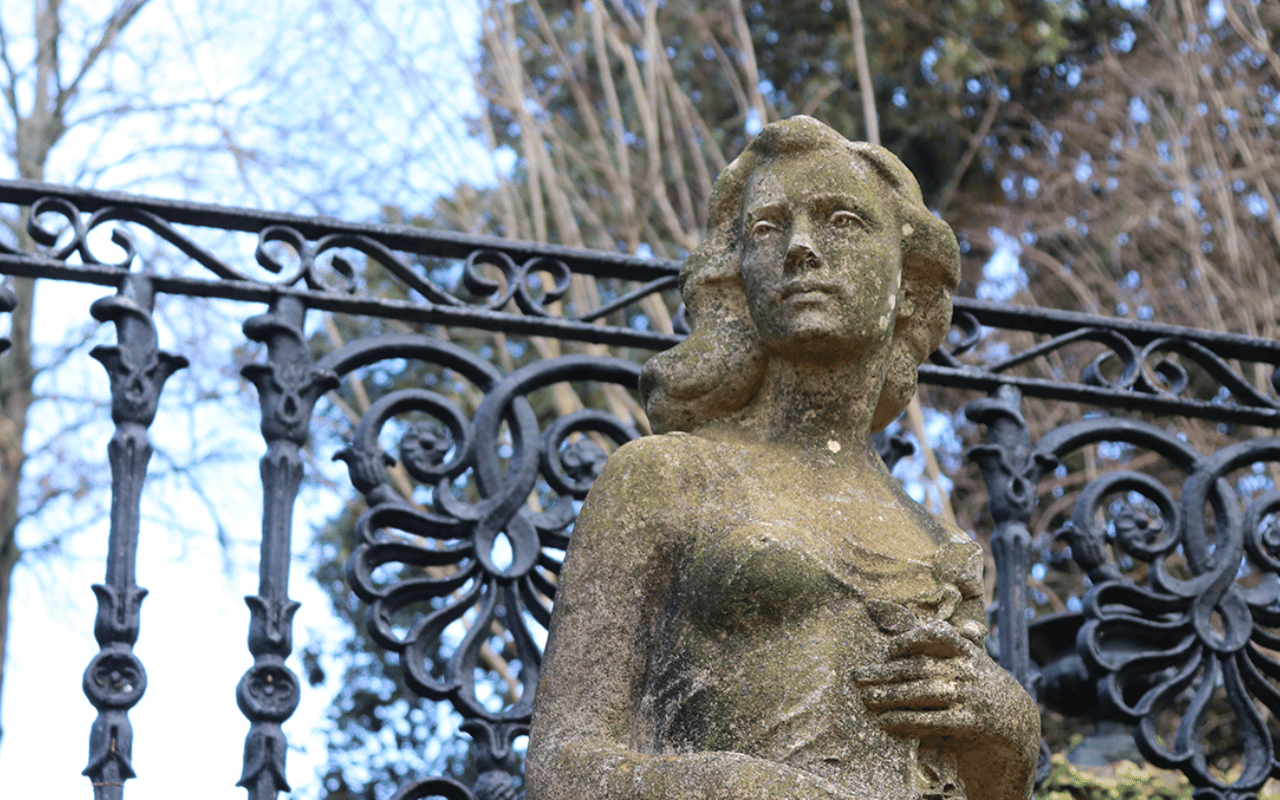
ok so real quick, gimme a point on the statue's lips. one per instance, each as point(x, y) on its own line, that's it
point(810, 291)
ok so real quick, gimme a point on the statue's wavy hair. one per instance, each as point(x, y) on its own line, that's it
point(718, 369)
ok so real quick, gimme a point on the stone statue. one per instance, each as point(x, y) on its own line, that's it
point(754, 608)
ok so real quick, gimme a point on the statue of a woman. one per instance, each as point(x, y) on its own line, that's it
point(754, 608)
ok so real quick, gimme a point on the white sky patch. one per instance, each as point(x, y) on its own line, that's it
point(1138, 111)
point(193, 622)
point(1002, 276)
point(332, 108)
point(1215, 12)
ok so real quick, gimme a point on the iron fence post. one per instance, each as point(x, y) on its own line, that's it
point(288, 387)
point(115, 679)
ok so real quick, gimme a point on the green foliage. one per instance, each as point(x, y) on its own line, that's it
point(1123, 780)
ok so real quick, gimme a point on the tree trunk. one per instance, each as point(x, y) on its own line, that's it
point(15, 398)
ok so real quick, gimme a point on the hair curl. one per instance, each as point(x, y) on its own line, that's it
point(720, 366)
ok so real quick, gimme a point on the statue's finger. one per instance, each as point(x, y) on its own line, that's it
point(939, 640)
point(925, 695)
point(914, 669)
point(924, 724)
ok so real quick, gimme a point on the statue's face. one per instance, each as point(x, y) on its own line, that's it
point(821, 257)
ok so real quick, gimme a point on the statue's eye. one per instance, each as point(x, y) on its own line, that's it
point(844, 219)
point(762, 227)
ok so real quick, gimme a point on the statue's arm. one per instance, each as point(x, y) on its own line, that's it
point(1003, 769)
point(589, 741)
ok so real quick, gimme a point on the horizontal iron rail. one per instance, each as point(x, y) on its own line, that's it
point(1100, 396)
point(443, 244)
point(1054, 321)
point(407, 310)
point(421, 241)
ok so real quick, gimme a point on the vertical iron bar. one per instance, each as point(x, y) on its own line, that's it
point(288, 387)
point(115, 679)
point(9, 455)
point(1011, 469)
point(1011, 549)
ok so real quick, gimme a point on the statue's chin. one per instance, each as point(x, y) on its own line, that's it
point(825, 345)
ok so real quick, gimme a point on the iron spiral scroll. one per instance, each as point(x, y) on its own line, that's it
point(1183, 610)
point(330, 265)
point(1214, 627)
point(1135, 366)
point(468, 598)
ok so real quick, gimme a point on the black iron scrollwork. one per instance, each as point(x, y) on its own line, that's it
point(435, 787)
point(477, 571)
point(1141, 366)
point(288, 387)
point(1204, 620)
point(115, 679)
point(892, 448)
point(1161, 375)
point(1011, 471)
point(518, 286)
point(1183, 611)
point(80, 228)
point(1201, 615)
point(521, 287)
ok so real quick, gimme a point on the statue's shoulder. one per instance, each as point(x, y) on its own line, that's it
point(653, 472)
point(665, 454)
point(637, 506)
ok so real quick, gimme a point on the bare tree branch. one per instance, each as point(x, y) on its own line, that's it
point(10, 88)
point(865, 87)
point(111, 30)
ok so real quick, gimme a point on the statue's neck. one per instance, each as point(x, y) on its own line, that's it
point(817, 408)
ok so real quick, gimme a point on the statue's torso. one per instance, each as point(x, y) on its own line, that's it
point(767, 616)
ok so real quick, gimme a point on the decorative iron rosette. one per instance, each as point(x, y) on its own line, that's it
point(461, 578)
point(1182, 624)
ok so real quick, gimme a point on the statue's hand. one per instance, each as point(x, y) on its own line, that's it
point(939, 687)
point(937, 684)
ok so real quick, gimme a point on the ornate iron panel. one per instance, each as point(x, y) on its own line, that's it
point(1184, 596)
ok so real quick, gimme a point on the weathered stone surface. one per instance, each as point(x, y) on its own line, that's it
point(751, 607)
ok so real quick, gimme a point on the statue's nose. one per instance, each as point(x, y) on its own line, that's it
point(802, 254)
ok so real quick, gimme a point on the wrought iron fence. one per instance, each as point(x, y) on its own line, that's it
point(1174, 628)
